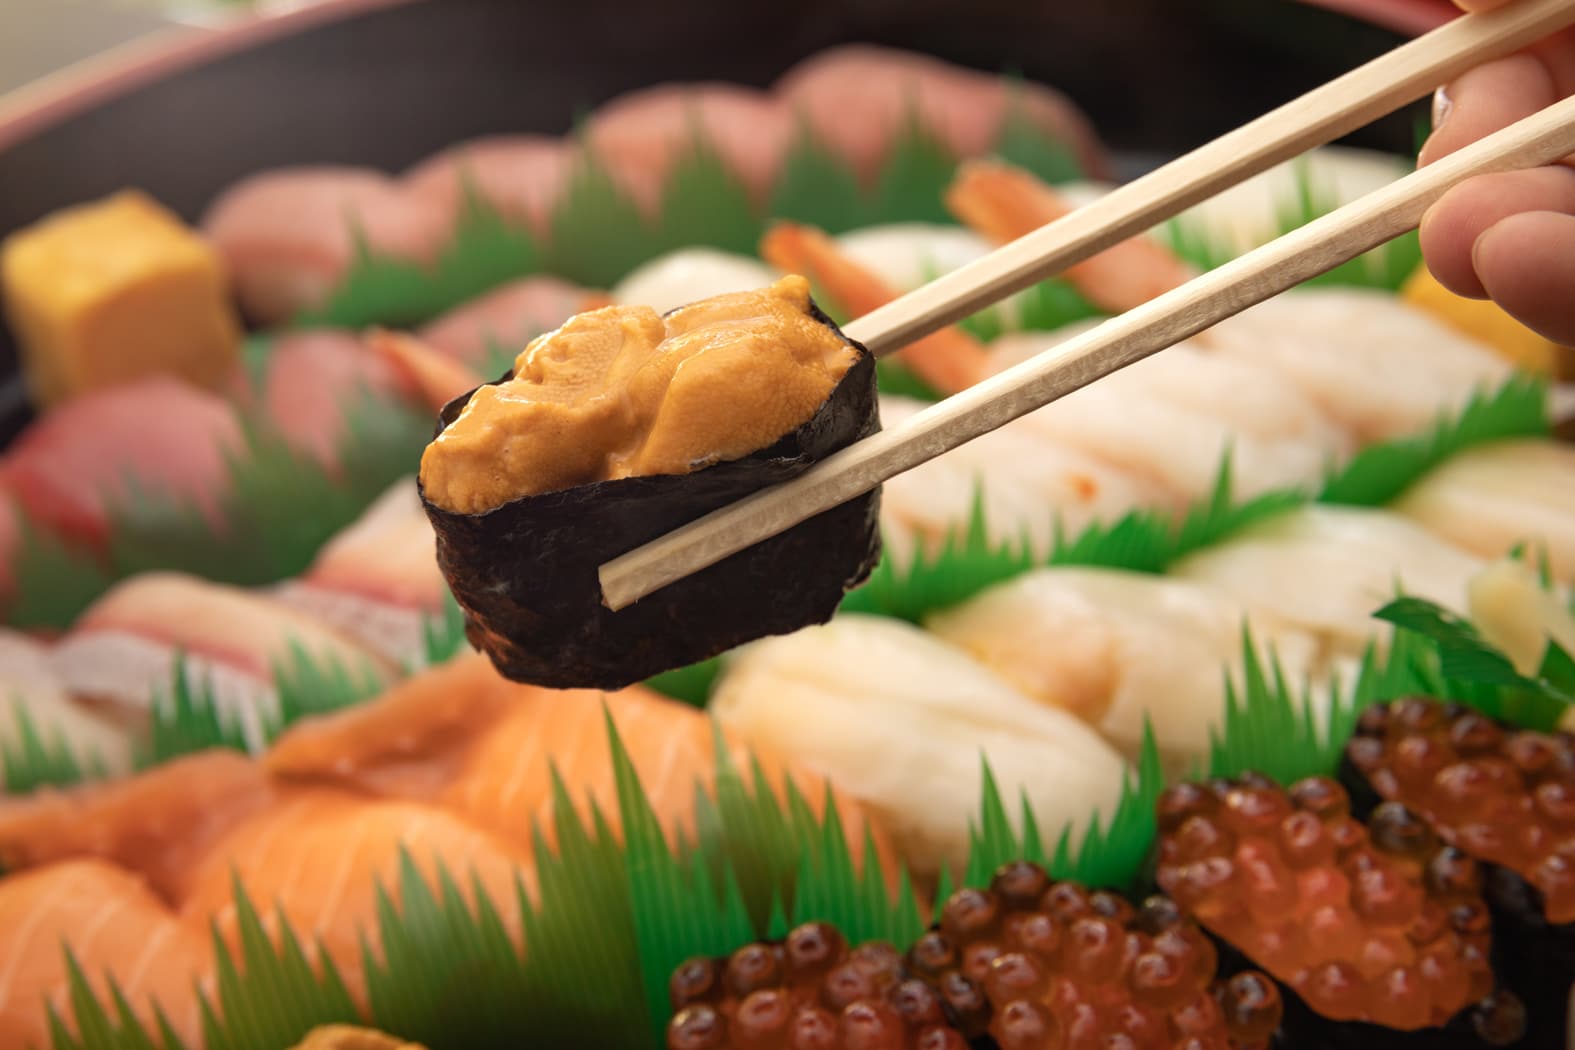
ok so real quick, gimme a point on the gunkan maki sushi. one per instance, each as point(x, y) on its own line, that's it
point(1377, 932)
point(1506, 797)
point(1030, 963)
point(809, 991)
point(620, 426)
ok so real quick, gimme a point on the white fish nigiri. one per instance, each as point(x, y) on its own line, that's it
point(1116, 647)
point(1490, 498)
point(1024, 480)
point(378, 579)
point(33, 695)
point(1171, 418)
point(900, 720)
point(1379, 366)
point(689, 274)
point(1517, 614)
point(905, 255)
point(1327, 569)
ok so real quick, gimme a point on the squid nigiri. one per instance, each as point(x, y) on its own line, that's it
point(688, 276)
point(1327, 569)
point(378, 580)
point(900, 721)
point(1025, 481)
point(1172, 418)
point(1490, 498)
point(32, 695)
point(1377, 365)
point(1116, 648)
point(123, 649)
point(116, 929)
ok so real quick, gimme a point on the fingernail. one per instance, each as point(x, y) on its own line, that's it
point(1441, 107)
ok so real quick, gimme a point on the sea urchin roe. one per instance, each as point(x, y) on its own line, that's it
point(624, 392)
point(1041, 965)
point(1378, 923)
point(1503, 796)
point(807, 992)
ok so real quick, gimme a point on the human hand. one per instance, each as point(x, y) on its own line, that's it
point(1508, 237)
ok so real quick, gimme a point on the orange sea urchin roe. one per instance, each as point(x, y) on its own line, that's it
point(623, 392)
point(1376, 923)
point(807, 992)
point(1040, 965)
point(1503, 796)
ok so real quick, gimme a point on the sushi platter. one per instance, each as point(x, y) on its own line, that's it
point(807, 547)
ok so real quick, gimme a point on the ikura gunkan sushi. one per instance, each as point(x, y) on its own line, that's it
point(1504, 796)
point(620, 426)
point(1025, 964)
point(1378, 932)
point(811, 990)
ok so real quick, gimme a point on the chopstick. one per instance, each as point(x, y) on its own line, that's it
point(1183, 312)
point(1337, 108)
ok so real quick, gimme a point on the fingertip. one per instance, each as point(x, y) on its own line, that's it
point(1447, 241)
point(1525, 264)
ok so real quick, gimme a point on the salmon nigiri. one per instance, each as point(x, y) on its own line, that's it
point(486, 747)
point(115, 927)
point(158, 823)
point(318, 857)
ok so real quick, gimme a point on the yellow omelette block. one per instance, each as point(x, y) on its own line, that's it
point(346, 1037)
point(113, 290)
point(1483, 320)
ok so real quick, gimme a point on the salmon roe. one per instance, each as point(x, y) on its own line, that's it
point(1378, 922)
point(1043, 965)
point(1504, 796)
point(809, 991)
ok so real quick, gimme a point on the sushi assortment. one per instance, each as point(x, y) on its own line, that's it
point(261, 674)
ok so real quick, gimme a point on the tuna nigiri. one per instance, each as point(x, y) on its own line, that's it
point(900, 721)
point(640, 136)
point(503, 320)
point(1118, 648)
point(518, 176)
point(290, 235)
point(33, 698)
point(1327, 569)
point(378, 580)
point(313, 378)
point(156, 435)
point(115, 928)
point(858, 98)
point(123, 650)
point(1490, 498)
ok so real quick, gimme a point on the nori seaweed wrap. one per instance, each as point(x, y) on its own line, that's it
point(1377, 933)
point(525, 572)
point(1506, 797)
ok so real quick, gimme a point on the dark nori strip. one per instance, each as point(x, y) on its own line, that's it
point(1303, 1028)
point(525, 573)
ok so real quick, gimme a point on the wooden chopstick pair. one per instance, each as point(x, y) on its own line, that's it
point(1324, 114)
